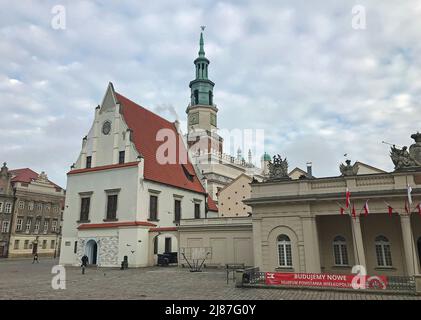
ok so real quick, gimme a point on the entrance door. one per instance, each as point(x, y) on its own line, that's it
point(92, 251)
point(167, 245)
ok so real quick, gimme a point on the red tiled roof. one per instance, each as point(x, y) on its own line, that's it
point(108, 167)
point(163, 229)
point(212, 205)
point(115, 225)
point(145, 125)
point(26, 175)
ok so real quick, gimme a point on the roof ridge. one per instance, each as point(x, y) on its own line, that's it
point(144, 108)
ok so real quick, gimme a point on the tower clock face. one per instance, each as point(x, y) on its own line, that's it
point(106, 128)
point(194, 118)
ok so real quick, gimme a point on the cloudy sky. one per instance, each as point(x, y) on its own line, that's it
point(317, 86)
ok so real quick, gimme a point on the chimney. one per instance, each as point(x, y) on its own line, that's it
point(309, 170)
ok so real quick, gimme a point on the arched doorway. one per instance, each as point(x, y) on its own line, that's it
point(419, 249)
point(92, 251)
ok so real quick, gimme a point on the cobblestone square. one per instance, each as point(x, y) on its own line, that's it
point(20, 279)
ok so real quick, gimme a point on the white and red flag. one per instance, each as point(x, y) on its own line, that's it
point(354, 213)
point(347, 198)
point(419, 208)
point(409, 189)
point(389, 209)
point(366, 209)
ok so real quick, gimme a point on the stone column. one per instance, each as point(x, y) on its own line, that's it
point(358, 242)
point(408, 245)
point(311, 245)
point(257, 243)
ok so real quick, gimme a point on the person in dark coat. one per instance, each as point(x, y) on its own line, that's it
point(85, 260)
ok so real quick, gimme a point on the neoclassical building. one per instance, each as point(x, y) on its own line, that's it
point(299, 226)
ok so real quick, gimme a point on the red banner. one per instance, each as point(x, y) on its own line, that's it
point(323, 280)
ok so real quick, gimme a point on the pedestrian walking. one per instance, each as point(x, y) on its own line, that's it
point(35, 258)
point(85, 260)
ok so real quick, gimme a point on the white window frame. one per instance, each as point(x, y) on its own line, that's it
point(5, 226)
point(21, 204)
point(1, 207)
point(38, 206)
point(8, 207)
point(385, 259)
point(340, 247)
point(46, 225)
point(28, 225)
point(54, 226)
point(283, 246)
point(19, 224)
point(31, 206)
point(37, 226)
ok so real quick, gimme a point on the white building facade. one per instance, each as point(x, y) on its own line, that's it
point(121, 199)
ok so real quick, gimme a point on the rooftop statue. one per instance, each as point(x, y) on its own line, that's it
point(278, 168)
point(404, 159)
point(348, 169)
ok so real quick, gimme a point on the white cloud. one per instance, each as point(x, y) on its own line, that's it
point(296, 69)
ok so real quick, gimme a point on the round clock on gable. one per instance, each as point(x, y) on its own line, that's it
point(106, 127)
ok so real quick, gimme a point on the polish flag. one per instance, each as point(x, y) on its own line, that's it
point(366, 210)
point(342, 210)
point(354, 214)
point(348, 198)
point(389, 209)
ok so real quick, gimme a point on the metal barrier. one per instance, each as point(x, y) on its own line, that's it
point(395, 284)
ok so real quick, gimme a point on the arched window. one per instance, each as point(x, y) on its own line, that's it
point(340, 251)
point(284, 251)
point(210, 97)
point(196, 96)
point(383, 253)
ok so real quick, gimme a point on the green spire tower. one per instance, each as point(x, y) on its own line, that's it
point(201, 87)
point(202, 112)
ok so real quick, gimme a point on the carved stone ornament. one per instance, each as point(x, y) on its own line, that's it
point(348, 169)
point(405, 159)
point(278, 169)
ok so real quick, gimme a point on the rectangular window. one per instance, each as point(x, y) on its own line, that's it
point(1, 207)
point(121, 155)
point(31, 205)
point(153, 208)
point(8, 207)
point(54, 226)
point(46, 224)
point(21, 205)
point(5, 227)
point(197, 210)
point(26, 244)
point(38, 206)
point(16, 246)
point(19, 224)
point(88, 162)
point(167, 245)
point(75, 247)
point(155, 245)
point(112, 207)
point(177, 210)
point(44, 244)
point(28, 225)
point(37, 225)
point(84, 209)
point(53, 244)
